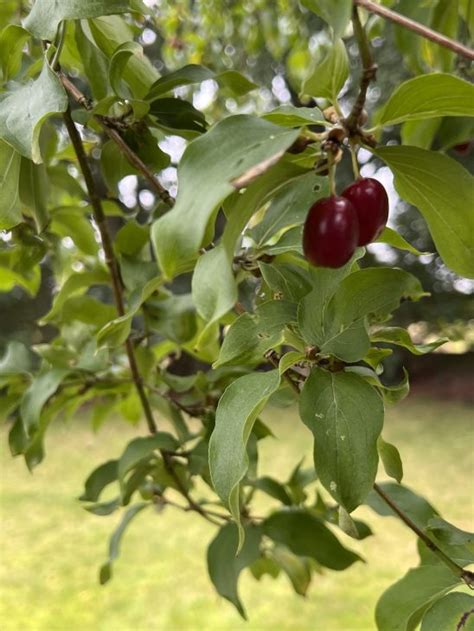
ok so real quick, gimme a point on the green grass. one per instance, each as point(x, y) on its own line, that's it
point(51, 548)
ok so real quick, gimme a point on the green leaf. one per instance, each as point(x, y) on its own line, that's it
point(401, 337)
point(373, 292)
point(88, 310)
point(236, 413)
point(392, 463)
point(214, 285)
point(103, 509)
point(186, 75)
point(312, 308)
point(337, 13)
point(449, 534)
point(264, 566)
point(34, 191)
point(252, 335)
point(101, 477)
point(10, 162)
point(289, 281)
point(192, 73)
point(12, 41)
point(225, 567)
point(76, 283)
point(429, 96)
point(393, 238)
point(402, 606)
point(289, 208)
point(96, 67)
point(24, 110)
point(291, 116)
point(109, 33)
point(177, 114)
point(173, 317)
point(328, 77)
point(298, 570)
point(454, 611)
point(36, 396)
point(30, 281)
point(345, 415)
point(71, 222)
point(18, 359)
point(131, 238)
point(306, 535)
point(235, 82)
point(115, 332)
point(142, 448)
point(414, 506)
point(115, 541)
point(394, 394)
point(272, 488)
point(454, 131)
point(115, 165)
point(443, 191)
point(118, 62)
point(227, 151)
point(290, 359)
point(420, 133)
point(44, 18)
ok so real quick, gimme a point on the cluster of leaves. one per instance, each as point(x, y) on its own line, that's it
point(218, 276)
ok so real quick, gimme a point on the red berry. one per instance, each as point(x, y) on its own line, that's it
point(330, 232)
point(463, 149)
point(370, 201)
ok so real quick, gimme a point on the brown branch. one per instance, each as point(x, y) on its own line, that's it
point(161, 499)
point(112, 133)
point(369, 71)
point(416, 27)
point(111, 261)
point(464, 575)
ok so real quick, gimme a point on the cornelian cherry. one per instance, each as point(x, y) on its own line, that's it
point(370, 201)
point(330, 232)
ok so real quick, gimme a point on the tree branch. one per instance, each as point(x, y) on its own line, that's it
point(460, 572)
point(416, 27)
point(111, 261)
point(113, 134)
point(369, 70)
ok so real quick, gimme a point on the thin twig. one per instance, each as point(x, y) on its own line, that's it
point(274, 359)
point(186, 509)
point(369, 70)
point(416, 27)
point(111, 261)
point(112, 133)
point(465, 575)
point(100, 218)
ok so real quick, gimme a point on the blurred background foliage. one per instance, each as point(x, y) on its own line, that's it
point(277, 43)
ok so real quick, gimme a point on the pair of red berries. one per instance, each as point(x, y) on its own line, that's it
point(335, 226)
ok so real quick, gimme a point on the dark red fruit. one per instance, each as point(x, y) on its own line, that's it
point(330, 232)
point(464, 148)
point(370, 201)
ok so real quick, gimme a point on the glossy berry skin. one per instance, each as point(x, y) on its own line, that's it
point(330, 232)
point(370, 201)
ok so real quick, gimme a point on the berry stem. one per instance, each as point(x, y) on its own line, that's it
point(332, 174)
point(355, 163)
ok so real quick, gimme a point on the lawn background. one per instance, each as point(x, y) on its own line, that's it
point(51, 548)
